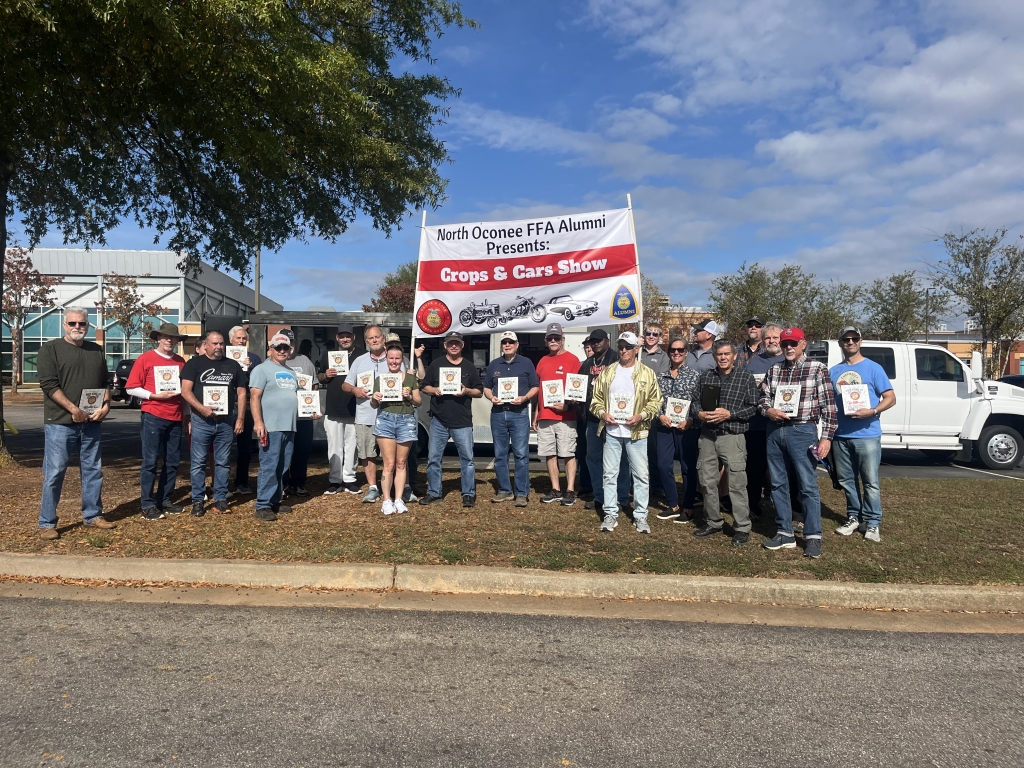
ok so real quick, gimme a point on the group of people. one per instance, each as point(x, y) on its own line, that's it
point(748, 423)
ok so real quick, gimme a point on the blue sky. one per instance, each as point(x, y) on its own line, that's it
point(843, 136)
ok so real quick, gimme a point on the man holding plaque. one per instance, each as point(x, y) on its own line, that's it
point(73, 377)
point(156, 381)
point(451, 382)
point(626, 400)
point(758, 484)
point(510, 383)
point(862, 391)
point(601, 357)
point(340, 418)
point(726, 401)
point(239, 338)
point(796, 396)
point(555, 419)
point(214, 388)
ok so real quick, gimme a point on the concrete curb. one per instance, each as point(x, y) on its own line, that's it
point(515, 581)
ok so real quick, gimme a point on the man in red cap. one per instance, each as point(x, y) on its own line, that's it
point(796, 396)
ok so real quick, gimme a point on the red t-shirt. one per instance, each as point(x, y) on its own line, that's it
point(142, 375)
point(548, 369)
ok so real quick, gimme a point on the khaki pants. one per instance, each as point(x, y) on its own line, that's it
point(731, 451)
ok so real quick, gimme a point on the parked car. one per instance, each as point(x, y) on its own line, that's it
point(117, 380)
point(944, 409)
point(1014, 379)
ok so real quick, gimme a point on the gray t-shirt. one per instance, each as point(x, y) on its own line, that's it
point(366, 413)
point(279, 403)
point(302, 364)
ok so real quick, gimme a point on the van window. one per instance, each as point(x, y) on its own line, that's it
point(937, 365)
point(884, 356)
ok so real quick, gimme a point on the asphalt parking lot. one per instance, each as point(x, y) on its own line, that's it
point(121, 440)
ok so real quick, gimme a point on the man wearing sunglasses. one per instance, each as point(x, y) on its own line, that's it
point(67, 368)
point(857, 449)
point(701, 358)
point(754, 345)
point(510, 419)
point(795, 437)
point(602, 357)
point(556, 423)
point(620, 382)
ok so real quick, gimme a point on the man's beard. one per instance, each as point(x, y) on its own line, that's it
point(76, 334)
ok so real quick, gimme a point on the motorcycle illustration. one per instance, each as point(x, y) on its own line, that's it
point(521, 308)
point(475, 314)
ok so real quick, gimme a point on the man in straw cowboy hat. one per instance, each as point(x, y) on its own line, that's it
point(156, 381)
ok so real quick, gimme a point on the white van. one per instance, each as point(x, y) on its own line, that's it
point(943, 408)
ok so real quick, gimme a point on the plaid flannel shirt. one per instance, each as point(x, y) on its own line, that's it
point(739, 397)
point(817, 403)
point(744, 354)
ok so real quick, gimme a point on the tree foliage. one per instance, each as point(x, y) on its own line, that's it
point(984, 275)
point(398, 291)
point(24, 288)
point(898, 306)
point(783, 295)
point(123, 303)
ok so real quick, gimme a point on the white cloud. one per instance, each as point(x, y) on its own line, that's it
point(636, 124)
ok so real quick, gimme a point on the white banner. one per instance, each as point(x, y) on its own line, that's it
point(578, 270)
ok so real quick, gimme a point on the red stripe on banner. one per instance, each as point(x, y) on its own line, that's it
point(527, 271)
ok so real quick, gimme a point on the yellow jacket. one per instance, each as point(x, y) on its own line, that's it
point(647, 401)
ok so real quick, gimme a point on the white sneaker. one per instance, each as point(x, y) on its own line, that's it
point(641, 525)
point(871, 534)
point(610, 522)
point(388, 507)
point(400, 507)
point(851, 525)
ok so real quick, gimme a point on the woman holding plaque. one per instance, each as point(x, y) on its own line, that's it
point(677, 437)
point(396, 395)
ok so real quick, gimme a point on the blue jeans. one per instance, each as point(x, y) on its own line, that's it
point(275, 458)
point(794, 442)
point(60, 441)
point(860, 457)
point(297, 470)
point(682, 445)
point(509, 427)
point(595, 463)
point(636, 452)
point(161, 441)
point(463, 439)
point(219, 434)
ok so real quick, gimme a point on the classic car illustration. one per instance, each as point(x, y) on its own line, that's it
point(565, 306)
point(475, 314)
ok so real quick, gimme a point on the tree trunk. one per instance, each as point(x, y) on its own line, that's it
point(6, 172)
point(15, 360)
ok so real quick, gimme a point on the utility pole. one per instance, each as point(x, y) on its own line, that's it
point(256, 283)
point(927, 313)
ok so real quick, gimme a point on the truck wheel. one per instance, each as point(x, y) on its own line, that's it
point(538, 314)
point(999, 447)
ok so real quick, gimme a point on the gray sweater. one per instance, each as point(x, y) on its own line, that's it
point(69, 368)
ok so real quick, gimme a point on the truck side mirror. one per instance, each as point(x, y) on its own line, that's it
point(977, 372)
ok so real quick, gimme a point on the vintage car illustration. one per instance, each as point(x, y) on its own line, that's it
point(565, 306)
point(484, 312)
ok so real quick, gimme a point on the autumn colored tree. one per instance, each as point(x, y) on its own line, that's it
point(123, 303)
point(25, 289)
point(398, 291)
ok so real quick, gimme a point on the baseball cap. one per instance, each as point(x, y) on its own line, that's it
point(454, 336)
point(392, 337)
point(509, 335)
point(599, 335)
point(756, 319)
point(629, 337)
point(792, 334)
point(553, 329)
point(289, 333)
point(346, 328)
point(711, 327)
point(280, 338)
point(849, 328)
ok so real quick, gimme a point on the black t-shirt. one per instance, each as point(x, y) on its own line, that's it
point(340, 404)
point(454, 412)
point(593, 368)
point(203, 372)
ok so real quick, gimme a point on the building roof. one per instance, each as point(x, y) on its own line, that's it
point(78, 261)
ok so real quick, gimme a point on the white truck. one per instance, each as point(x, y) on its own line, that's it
point(943, 408)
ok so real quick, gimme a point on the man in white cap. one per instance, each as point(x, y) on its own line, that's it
point(626, 400)
point(510, 418)
point(701, 357)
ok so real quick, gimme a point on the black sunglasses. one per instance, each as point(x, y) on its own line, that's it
point(785, 344)
point(552, 338)
point(652, 333)
point(73, 324)
point(849, 339)
point(626, 346)
point(282, 348)
point(755, 325)
point(677, 350)
point(508, 341)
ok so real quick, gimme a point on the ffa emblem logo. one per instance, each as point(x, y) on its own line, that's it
point(787, 396)
point(236, 355)
point(91, 399)
point(508, 386)
point(623, 304)
point(620, 404)
point(215, 396)
point(364, 379)
point(677, 409)
point(390, 382)
point(434, 317)
point(552, 388)
point(855, 395)
point(307, 399)
point(576, 383)
point(166, 375)
point(449, 377)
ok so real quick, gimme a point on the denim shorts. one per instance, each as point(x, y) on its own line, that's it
point(400, 427)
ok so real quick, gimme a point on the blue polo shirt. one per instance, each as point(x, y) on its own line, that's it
point(521, 368)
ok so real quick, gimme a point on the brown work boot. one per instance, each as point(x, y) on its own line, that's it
point(48, 534)
point(99, 522)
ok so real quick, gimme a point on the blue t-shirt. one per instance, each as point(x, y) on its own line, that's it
point(520, 367)
point(279, 403)
point(865, 372)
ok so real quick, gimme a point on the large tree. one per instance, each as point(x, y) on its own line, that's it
point(899, 306)
point(398, 291)
point(25, 289)
point(124, 304)
point(984, 274)
point(222, 125)
point(780, 295)
point(829, 308)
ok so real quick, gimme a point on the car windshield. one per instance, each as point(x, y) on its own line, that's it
point(561, 298)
